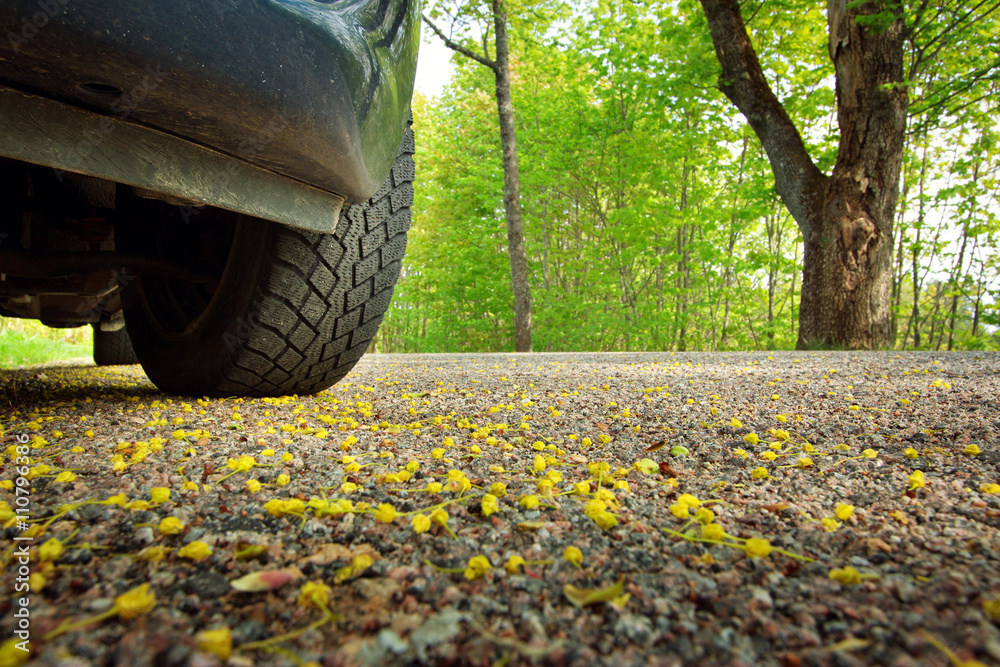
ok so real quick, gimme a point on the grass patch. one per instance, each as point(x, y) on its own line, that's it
point(25, 342)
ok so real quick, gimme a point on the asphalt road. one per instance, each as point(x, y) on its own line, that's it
point(725, 508)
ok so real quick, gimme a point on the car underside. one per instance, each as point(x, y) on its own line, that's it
point(225, 175)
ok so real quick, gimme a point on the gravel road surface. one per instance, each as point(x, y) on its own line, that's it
point(778, 508)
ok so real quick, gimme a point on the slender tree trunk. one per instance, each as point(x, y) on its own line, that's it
point(934, 313)
point(960, 262)
point(792, 293)
point(683, 269)
point(953, 312)
point(980, 289)
point(772, 223)
point(727, 275)
point(899, 270)
point(516, 250)
point(846, 218)
point(512, 186)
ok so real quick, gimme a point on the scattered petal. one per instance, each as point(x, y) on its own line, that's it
point(314, 594)
point(582, 597)
point(171, 525)
point(421, 523)
point(844, 512)
point(513, 563)
point(218, 642)
point(136, 602)
point(477, 567)
point(196, 550)
point(758, 548)
point(265, 580)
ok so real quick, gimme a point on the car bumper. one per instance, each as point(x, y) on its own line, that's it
point(314, 92)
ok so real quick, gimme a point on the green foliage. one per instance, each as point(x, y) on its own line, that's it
point(25, 342)
point(651, 216)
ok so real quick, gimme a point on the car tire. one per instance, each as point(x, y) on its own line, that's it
point(292, 312)
point(113, 348)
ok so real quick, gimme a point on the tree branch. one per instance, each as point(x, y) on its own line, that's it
point(455, 46)
point(743, 83)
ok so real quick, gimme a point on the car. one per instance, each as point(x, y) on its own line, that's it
point(222, 186)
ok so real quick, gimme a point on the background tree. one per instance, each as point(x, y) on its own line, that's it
point(463, 15)
point(651, 216)
point(846, 217)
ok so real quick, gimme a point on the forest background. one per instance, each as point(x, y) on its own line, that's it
point(650, 212)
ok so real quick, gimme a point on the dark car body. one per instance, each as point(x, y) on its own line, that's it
point(286, 110)
point(315, 91)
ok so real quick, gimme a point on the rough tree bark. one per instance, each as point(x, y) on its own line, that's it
point(516, 249)
point(846, 218)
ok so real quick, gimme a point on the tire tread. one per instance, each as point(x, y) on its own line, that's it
point(326, 294)
point(113, 348)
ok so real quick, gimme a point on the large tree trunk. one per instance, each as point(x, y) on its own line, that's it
point(846, 218)
point(512, 187)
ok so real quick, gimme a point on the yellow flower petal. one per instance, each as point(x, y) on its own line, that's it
point(689, 500)
point(477, 567)
point(196, 550)
point(218, 642)
point(171, 525)
point(11, 655)
point(421, 523)
point(847, 576)
point(648, 466)
point(573, 555)
point(582, 597)
point(513, 563)
point(136, 602)
point(314, 594)
point(758, 548)
point(489, 504)
point(386, 513)
point(51, 550)
point(440, 517)
point(844, 512)
point(712, 531)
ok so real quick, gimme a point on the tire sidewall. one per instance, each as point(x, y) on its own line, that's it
point(177, 361)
